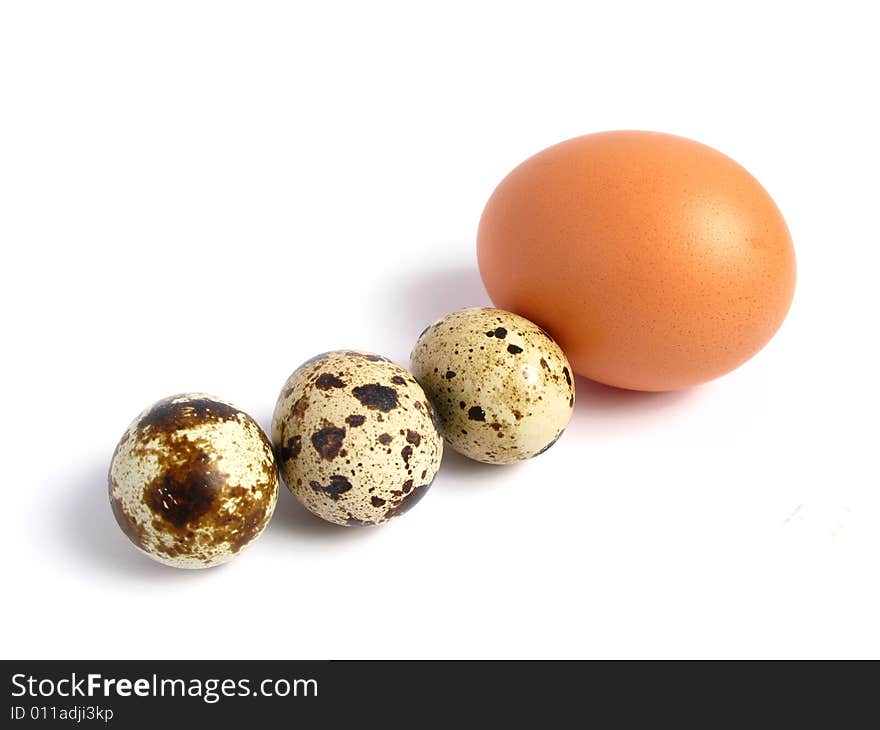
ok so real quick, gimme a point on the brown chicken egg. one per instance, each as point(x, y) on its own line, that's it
point(656, 262)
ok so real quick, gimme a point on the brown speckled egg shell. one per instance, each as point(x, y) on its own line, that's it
point(356, 438)
point(503, 389)
point(193, 481)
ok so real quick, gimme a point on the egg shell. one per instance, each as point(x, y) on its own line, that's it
point(655, 261)
point(503, 389)
point(356, 438)
point(193, 481)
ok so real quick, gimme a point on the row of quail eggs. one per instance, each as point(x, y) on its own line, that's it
point(356, 438)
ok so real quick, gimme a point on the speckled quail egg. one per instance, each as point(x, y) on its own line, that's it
point(356, 438)
point(503, 389)
point(193, 481)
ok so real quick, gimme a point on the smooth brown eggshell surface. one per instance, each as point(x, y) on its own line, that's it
point(193, 481)
point(655, 261)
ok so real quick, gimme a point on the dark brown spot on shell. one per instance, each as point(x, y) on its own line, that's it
point(355, 420)
point(432, 413)
point(413, 437)
point(241, 527)
point(544, 364)
point(398, 380)
point(326, 381)
point(450, 374)
point(406, 453)
point(291, 448)
point(495, 426)
point(475, 413)
point(514, 350)
point(376, 397)
point(170, 414)
point(567, 376)
point(406, 503)
point(338, 486)
point(377, 501)
point(186, 487)
point(500, 333)
point(385, 439)
point(328, 440)
point(300, 406)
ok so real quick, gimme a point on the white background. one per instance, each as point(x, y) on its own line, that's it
point(199, 196)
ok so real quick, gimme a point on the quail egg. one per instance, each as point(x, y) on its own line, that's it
point(503, 389)
point(356, 438)
point(193, 481)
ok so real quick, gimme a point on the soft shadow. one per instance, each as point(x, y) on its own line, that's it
point(263, 417)
point(459, 472)
point(294, 522)
point(424, 297)
point(595, 397)
point(87, 530)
